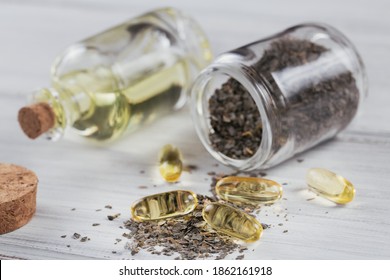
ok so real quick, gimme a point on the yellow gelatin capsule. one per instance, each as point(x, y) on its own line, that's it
point(330, 185)
point(248, 190)
point(170, 161)
point(164, 205)
point(232, 221)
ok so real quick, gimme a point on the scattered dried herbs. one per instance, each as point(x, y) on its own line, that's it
point(189, 236)
point(113, 217)
point(190, 167)
point(84, 239)
point(76, 235)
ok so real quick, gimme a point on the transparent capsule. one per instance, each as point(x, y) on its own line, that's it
point(164, 205)
point(330, 185)
point(248, 190)
point(171, 164)
point(232, 221)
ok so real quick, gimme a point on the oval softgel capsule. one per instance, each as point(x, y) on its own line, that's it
point(170, 163)
point(232, 221)
point(330, 185)
point(248, 190)
point(164, 205)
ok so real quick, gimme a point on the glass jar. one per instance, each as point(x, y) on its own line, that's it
point(120, 79)
point(262, 103)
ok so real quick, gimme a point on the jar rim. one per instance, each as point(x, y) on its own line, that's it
point(260, 95)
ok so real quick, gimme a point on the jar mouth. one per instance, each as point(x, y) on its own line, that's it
point(204, 87)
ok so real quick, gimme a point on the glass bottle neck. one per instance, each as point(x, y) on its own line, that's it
point(66, 107)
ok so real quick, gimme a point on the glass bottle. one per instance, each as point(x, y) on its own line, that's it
point(120, 79)
point(262, 103)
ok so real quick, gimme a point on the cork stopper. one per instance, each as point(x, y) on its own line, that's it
point(36, 119)
point(18, 191)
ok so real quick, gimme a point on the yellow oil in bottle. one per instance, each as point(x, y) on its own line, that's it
point(108, 104)
point(232, 221)
point(170, 163)
point(330, 185)
point(248, 190)
point(164, 205)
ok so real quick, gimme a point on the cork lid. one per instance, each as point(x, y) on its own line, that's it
point(36, 119)
point(18, 191)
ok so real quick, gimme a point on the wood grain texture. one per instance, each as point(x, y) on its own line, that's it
point(76, 175)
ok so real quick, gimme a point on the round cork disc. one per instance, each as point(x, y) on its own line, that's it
point(18, 192)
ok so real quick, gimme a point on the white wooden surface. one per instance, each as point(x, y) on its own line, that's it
point(76, 175)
